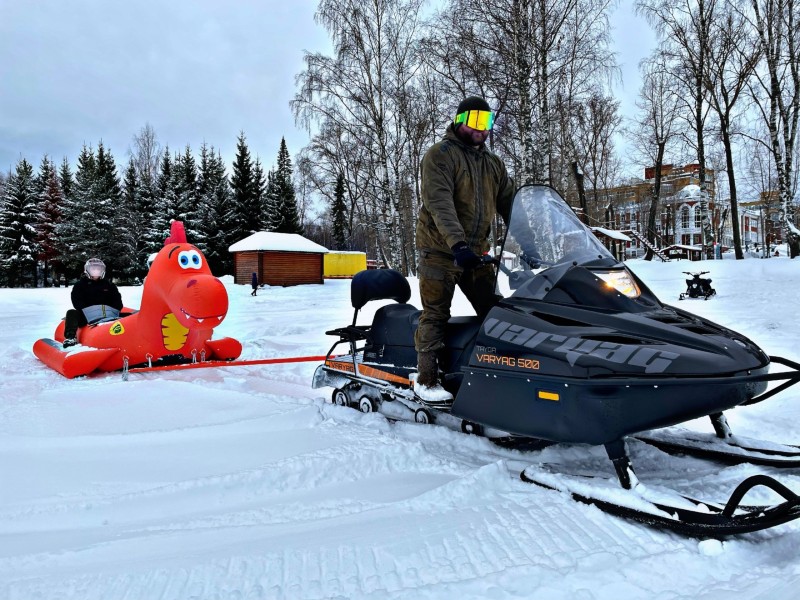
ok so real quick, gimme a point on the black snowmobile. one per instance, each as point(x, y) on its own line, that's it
point(698, 286)
point(578, 351)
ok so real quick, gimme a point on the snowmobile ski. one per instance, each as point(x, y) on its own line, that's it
point(731, 451)
point(723, 446)
point(668, 510)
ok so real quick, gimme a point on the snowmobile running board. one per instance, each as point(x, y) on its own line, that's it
point(670, 511)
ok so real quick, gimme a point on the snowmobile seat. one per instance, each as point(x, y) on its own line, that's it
point(391, 334)
point(378, 284)
point(391, 340)
point(373, 284)
point(395, 324)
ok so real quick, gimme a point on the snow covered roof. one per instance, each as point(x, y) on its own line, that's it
point(612, 233)
point(684, 247)
point(690, 192)
point(284, 242)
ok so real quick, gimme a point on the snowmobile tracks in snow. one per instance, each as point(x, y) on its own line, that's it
point(659, 507)
point(667, 510)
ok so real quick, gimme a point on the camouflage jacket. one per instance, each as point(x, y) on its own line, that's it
point(463, 187)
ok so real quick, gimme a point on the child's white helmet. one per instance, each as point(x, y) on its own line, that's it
point(95, 268)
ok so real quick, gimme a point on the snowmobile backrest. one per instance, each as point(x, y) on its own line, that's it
point(378, 284)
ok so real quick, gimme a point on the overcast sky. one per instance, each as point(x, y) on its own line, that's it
point(80, 71)
point(75, 71)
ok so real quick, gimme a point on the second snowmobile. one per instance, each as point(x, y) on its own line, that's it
point(698, 286)
point(577, 350)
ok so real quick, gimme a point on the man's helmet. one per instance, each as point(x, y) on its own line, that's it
point(95, 268)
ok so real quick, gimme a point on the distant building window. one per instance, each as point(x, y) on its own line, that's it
point(698, 217)
point(685, 217)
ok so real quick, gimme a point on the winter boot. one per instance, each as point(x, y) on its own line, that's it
point(426, 383)
point(70, 329)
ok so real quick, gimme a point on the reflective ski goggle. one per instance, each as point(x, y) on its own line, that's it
point(482, 120)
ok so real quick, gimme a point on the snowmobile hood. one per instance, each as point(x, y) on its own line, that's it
point(579, 342)
point(581, 313)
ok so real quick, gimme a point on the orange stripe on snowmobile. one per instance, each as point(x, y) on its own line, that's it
point(366, 371)
point(339, 365)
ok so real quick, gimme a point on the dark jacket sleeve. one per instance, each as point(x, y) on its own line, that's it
point(114, 297)
point(78, 294)
point(438, 190)
point(505, 195)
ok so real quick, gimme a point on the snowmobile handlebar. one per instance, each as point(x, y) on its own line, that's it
point(491, 260)
point(696, 274)
point(487, 259)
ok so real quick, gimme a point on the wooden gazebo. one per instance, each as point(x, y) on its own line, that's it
point(278, 258)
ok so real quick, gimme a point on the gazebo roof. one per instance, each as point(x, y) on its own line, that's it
point(283, 242)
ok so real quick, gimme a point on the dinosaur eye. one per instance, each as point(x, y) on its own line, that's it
point(190, 259)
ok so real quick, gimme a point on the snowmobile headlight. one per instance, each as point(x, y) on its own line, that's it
point(620, 281)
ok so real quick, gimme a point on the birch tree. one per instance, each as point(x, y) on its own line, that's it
point(776, 93)
point(732, 57)
point(357, 99)
point(535, 60)
point(684, 28)
point(655, 129)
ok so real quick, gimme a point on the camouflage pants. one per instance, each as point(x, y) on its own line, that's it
point(438, 278)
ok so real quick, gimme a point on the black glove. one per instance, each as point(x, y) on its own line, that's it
point(465, 257)
point(531, 257)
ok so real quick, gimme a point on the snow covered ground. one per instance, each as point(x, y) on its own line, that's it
point(245, 483)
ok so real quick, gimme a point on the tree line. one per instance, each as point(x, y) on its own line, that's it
point(53, 219)
point(721, 89)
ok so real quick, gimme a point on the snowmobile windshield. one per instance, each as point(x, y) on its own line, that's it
point(544, 232)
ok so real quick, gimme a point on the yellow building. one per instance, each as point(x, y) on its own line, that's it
point(341, 265)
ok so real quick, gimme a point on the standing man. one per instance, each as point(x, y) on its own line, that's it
point(464, 186)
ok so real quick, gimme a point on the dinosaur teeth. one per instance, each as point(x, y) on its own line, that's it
point(201, 319)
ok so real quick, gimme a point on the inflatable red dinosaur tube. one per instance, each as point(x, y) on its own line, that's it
point(182, 302)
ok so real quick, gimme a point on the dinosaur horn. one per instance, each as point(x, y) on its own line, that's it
point(177, 234)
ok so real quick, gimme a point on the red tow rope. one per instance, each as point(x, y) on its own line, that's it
point(228, 363)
